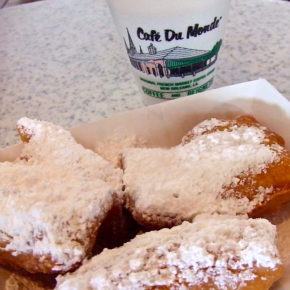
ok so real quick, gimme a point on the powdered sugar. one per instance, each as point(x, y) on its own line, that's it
point(208, 125)
point(187, 180)
point(55, 146)
point(55, 196)
point(222, 248)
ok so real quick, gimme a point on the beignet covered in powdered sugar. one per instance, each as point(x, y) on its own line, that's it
point(213, 252)
point(224, 166)
point(54, 198)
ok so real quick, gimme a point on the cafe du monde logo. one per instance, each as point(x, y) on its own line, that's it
point(175, 61)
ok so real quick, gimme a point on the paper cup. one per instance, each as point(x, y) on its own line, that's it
point(172, 46)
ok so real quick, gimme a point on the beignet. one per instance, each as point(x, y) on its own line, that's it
point(53, 198)
point(228, 167)
point(213, 252)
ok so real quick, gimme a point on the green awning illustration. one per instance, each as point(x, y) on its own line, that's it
point(182, 62)
point(172, 62)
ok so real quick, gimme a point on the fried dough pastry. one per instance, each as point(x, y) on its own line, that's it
point(224, 166)
point(54, 198)
point(213, 252)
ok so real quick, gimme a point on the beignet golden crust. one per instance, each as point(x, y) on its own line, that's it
point(274, 179)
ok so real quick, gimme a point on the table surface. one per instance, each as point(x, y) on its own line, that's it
point(62, 61)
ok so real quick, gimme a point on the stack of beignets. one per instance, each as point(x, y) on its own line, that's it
point(56, 195)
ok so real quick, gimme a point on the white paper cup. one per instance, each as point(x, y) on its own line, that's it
point(172, 45)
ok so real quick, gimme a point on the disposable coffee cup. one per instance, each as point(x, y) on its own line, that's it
point(172, 46)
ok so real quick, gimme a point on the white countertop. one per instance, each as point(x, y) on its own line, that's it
point(62, 60)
